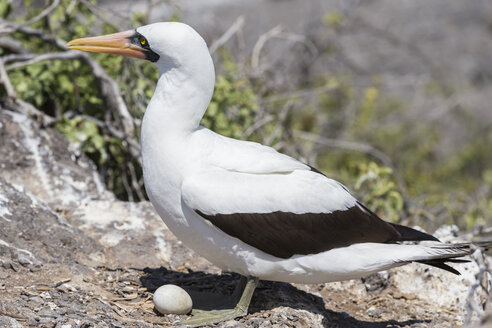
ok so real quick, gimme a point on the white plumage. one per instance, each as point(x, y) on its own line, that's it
point(242, 205)
point(188, 167)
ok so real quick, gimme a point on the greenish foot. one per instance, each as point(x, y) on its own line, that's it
point(202, 318)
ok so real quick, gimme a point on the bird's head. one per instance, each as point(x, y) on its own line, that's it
point(183, 60)
point(166, 43)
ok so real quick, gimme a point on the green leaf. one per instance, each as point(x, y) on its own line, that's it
point(5, 8)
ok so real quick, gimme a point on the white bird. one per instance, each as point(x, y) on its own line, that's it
point(246, 207)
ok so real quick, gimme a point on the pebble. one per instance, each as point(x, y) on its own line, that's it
point(9, 322)
point(373, 312)
point(172, 299)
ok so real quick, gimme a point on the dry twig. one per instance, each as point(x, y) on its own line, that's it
point(4, 79)
point(95, 10)
point(355, 146)
point(346, 145)
point(277, 32)
point(255, 56)
point(12, 45)
point(233, 29)
point(48, 10)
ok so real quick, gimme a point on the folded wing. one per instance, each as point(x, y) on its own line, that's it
point(288, 213)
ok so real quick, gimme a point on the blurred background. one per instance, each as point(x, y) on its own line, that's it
point(392, 98)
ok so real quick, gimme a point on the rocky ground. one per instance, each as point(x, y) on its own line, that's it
point(71, 255)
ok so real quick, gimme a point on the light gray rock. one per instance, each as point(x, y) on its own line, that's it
point(9, 322)
point(44, 162)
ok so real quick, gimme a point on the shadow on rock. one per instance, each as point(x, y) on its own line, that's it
point(213, 291)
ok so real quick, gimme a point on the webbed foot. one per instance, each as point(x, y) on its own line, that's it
point(202, 318)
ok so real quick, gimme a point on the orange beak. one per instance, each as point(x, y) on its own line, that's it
point(117, 43)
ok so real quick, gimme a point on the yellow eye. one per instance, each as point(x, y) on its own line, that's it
point(142, 41)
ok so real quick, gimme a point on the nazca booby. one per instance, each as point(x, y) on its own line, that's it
point(246, 207)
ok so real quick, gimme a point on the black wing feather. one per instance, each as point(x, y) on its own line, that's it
point(284, 234)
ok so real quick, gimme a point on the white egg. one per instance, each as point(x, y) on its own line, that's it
point(172, 299)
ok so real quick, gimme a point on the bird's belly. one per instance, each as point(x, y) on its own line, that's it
point(164, 191)
point(198, 234)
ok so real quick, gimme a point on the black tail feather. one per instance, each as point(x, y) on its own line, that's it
point(441, 264)
point(467, 247)
point(450, 251)
point(457, 261)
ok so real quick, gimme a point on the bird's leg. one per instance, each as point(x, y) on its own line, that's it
point(201, 318)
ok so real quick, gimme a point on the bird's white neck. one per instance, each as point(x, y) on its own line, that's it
point(181, 97)
point(182, 94)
